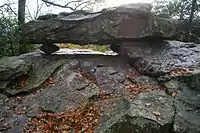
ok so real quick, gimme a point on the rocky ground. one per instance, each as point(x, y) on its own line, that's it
point(142, 90)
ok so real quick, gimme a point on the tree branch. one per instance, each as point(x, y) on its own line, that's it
point(38, 10)
point(9, 8)
point(75, 4)
point(29, 16)
point(86, 2)
point(75, 1)
point(55, 4)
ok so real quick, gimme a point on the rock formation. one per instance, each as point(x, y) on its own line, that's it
point(113, 26)
point(150, 88)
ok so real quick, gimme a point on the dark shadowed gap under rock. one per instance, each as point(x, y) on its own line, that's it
point(19, 82)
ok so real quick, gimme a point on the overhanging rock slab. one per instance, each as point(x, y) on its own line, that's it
point(113, 25)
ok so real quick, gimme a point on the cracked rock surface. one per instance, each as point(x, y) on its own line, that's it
point(102, 93)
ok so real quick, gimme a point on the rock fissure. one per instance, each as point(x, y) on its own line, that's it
point(82, 88)
point(174, 115)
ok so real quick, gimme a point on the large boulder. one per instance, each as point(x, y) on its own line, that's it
point(104, 94)
point(112, 25)
point(156, 59)
point(11, 68)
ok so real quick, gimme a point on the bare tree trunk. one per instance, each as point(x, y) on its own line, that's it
point(192, 13)
point(21, 21)
point(21, 12)
point(181, 14)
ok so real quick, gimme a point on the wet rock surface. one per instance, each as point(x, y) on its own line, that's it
point(112, 25)
point(159, 58)
point(104, 93)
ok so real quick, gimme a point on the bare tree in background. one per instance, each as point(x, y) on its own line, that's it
point(70, 5)
point(193, 8)
point(74, 5)
point(9, 8)
point(21, 12)
point(35, 12)
point(27, 13)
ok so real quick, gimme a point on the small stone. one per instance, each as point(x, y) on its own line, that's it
point(148, 104)
point(49, 48)
point(24, 108)
point(7, 100)
point(156, 113)
point(1, 119)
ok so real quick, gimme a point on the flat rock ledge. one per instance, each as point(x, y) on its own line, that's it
point(102, 93)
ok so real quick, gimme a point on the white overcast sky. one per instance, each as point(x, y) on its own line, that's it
point(108, 3)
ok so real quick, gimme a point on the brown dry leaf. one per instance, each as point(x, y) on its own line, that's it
point(50, 80)
point(180, 72)
point(135, 89)
point(91, 78)
point(77, 119)
point(83, 119)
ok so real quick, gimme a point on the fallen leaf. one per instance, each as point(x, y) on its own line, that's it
point(91, 78)
point(51, 80)
point(86, 118)
point(135, 89)
point(180, 72)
